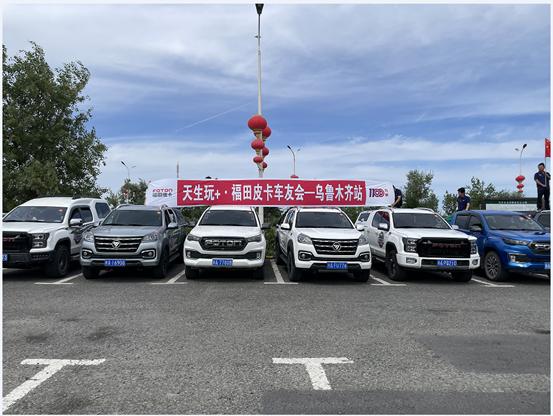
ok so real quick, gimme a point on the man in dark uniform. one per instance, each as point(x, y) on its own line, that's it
point(463, 200)
point(542, 179)
point(398, 195)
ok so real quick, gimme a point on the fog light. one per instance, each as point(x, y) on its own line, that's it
point(148, 254)
point(410, 260)
point(188, 254)
point(258, 255)
point(365, 256)
point(475, 262)
point(518, 258)
point(304, 255)
point(86, 253)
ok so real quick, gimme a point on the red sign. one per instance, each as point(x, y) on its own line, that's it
point(547, 148)
point(275, 192)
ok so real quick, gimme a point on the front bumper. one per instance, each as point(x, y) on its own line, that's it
point(521, 263)
point(319, 262)
point(26, 259)
point(413, 261)
point(251, 257)
point(89, 257)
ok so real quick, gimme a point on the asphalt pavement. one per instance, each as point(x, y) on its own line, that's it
point(126, 343)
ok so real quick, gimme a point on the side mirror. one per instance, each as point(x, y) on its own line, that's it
point(476, 228)
point(76, 222)
point(455, 226)
point(383, 226)
point(285, 226)
point(360, 227)
point(172, 226)
point(265, 226)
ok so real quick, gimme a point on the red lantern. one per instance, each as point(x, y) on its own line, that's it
point(294, 176)
point(264, 165)
point(265, 151)
point(257, 159)
point(520, 178)
point(257, 123)
point(520, 186)
point(266, 132)
point(257, 144)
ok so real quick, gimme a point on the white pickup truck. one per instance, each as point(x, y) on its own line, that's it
point(418, 238)
point(47, 232)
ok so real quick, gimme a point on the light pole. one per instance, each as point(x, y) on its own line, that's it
point(294, 176)
point(520, 157)
point(259, 9)
point(128, 179)
point(520, 178)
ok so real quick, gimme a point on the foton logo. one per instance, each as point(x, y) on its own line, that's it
point(163, 190)
point(377, 192)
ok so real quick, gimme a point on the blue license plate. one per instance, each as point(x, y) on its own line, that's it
point(547, 266)
point(4, 257)
point(446, 263)
point(221, 262)
point(115, 263)
point(337, 265)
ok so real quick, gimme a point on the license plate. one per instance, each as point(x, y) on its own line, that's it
point(221, 262)
point(547, 266)
point(446, 263)
point(4, 257)
point(115, 263)
point(337, 265)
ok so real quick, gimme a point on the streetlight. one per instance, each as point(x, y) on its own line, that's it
point(294, 176)
point(128, 179)
point(520, 178)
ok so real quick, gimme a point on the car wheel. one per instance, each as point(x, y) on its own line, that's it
point(294, 274)
point(160, 271)
point(493, 269)
point(59, 265)
point(191, 274)
point(278, 253)
point(362, 275)
point(463, 276)
point(90, 272)
point(395, 271)
point(259, 274)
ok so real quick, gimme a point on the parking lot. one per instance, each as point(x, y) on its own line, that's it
point(229, 344)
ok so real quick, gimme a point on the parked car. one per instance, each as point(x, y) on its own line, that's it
point(543, 218)
point(47, 232)
point(321, 239)
point(419, 239)
point(134, 236)
point(507, 241)
point(228, 237)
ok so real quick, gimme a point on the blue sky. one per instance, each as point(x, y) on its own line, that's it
point(366, 91)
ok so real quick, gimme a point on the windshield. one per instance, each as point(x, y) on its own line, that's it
point(122, 217)
point(511, 223)
point(229, 218)
point(36, 214)
point(416, 220)
point(322, 220)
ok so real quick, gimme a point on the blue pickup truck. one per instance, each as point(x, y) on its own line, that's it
point(507, 242)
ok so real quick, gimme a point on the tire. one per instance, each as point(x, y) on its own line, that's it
point(90, 272)
point(59, 265)
point(180, 257)
point(191, 274)
point(259, 274)
point(160, 271)
point(395, 271)
point(463, 276)
point(294, 274)
point(493, 269)
point(362, 275)
point(278, 254)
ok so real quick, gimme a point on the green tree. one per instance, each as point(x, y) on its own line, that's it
point(135, 191)
point(418, 191)
point(449, 203)
point(478, 191)
point(47, 147)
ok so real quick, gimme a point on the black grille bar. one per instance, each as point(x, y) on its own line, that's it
point(223, 243)
point(336, 247)
point(16, 242)
point(443, 247)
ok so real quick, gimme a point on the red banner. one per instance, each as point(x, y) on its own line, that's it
point(547, 148)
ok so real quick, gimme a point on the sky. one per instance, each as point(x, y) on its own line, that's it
point(364, 91)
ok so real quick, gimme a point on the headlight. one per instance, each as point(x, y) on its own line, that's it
point(39, 240)
point(410, 245)
point(473, 247)
point(150, 237)
point(88, 236)
point(363, 240)
point(254, 239)
point(302, 238)
point(512, 242)
point(192, 237)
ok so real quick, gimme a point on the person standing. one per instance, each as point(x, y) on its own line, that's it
point(463, 200)
point(543, 180)
point(398, 201)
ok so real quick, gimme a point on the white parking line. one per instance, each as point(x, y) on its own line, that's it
point(52, 367)
point(280, 280)
point(488, 284)
point(384, 282)
point(172, 281)
point(62, 281)
point(315, 370)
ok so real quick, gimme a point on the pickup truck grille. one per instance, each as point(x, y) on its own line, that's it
point(16, 242)
point(540, 247)
point(117, 244)
point(336, 247)
point(223, 243)
point(443, 247)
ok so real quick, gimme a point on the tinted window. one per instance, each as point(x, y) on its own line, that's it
point(36, 214)
point(419, 220)
point(462, 221)
point(290, 217)
point(474, 220)
point(545, 220)
point(75, 214)
point(102, 209)
point(511, 222)
point(377, 219)
point(322, 220)
point(363, 216)
point(86, 214)
point(229, 217)
point(168, 217)
point(134, 217)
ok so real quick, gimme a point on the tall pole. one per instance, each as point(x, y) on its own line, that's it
point(259, 8)
point(293, 160)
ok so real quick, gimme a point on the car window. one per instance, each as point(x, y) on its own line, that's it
point(511, 222)
point(131, 217)
point(36, 214)
point(86, 214)
point(474, 220)
point(282, 217)
point(317, 219)
point(462, 221)
point(167, 217)
point(363, 216)
point(180, 217)
point(75, 214)
point(221, 217)
point(290, 219)
point(102, 209)
point(376, 219)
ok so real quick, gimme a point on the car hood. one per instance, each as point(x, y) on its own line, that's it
point(431, 233)
point(224, 231)
point(32, 227)
point(522, 235)
point(118, 231)
point(331, 233)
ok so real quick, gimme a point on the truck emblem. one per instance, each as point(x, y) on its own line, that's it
point(115, 243)
point(336, 246)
